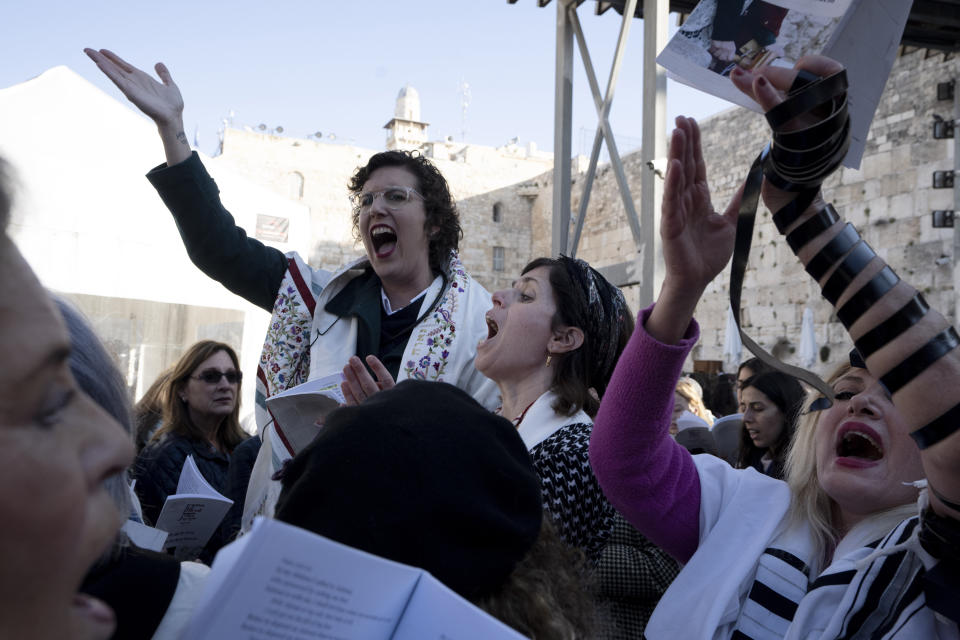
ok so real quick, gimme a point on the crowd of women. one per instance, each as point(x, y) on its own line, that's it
point(520, 446)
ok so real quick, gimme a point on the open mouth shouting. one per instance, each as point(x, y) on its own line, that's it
point(383, 239)
point(492, 330)
point(858, 445)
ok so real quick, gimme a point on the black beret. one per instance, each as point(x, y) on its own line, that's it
point(424, 475)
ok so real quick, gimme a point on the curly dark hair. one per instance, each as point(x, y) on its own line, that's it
point(549, 594)
point(443, 221)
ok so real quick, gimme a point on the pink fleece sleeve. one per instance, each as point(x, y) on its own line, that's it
point(645, 474)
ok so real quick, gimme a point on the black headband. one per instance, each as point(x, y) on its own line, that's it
point(604, 320)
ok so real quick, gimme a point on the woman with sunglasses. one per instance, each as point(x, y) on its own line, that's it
point(849, 546)
point(201, 405)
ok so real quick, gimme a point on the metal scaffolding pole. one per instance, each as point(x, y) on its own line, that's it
point(654, 151)
point(604, 131)
point(562, 125)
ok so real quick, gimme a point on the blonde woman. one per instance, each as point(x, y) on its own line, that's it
point(688, 397)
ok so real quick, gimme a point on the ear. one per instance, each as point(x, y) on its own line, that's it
point(565, 340)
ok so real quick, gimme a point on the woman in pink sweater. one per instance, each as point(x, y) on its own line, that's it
point(838, 549)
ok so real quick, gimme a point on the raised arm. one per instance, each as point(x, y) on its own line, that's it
point(910, 348)
point(649, 478)
point(214, 243)
point(160, 101)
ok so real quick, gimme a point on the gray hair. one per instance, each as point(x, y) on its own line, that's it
point(97, 376)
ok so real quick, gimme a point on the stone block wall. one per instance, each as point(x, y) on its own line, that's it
point(889, 199)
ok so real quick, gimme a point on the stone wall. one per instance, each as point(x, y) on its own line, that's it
point(889, 199)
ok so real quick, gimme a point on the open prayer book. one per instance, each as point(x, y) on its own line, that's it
point(864, 35)
point(280, 581)
point(297, 410)
point(192, 514)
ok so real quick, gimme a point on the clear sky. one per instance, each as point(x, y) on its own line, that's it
point(336, 67)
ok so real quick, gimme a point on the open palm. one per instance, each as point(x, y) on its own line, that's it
point(697, 241)
point(160, 101)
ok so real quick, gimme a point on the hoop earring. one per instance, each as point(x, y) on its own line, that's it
point(549, 357)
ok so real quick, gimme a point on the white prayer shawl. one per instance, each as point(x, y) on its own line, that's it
point(305, 342)
point(744, 542)
point(541, 421)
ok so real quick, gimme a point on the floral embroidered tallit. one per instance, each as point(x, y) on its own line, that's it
point(306, 342)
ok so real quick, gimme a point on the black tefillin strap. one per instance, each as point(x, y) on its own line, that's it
point(798, 161)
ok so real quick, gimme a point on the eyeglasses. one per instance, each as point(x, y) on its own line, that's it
point(212, 376)
point(393, 198)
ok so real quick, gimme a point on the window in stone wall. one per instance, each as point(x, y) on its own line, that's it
point(497, 212)
point(498, 258)
point(295, 185)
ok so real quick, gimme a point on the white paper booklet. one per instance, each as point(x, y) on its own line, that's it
point(280, 581)
point(192, 514)
point(297, 410)
point(721, 34)
point(143, 536)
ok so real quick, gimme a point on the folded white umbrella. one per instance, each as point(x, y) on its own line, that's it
point(732, 345)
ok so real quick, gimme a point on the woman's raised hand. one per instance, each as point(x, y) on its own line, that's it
point(160, 101)
point(768, 87)
point(697, 241)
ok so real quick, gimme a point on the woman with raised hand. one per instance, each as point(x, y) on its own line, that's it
point(409, 302)
point(838, 549)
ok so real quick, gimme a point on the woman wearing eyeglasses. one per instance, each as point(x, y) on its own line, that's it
point(409, 302)
point(200, 418)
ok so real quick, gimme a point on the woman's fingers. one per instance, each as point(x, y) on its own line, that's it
point(700, 167)
point(359, 385)
point(117, 60)
point(164, 74)
point(384, 379)
point(776, 81)
point(349, 399)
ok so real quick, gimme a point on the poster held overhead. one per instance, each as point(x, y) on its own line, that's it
point(720, 35)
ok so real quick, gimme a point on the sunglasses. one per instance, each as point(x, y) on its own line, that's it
point(212, 376)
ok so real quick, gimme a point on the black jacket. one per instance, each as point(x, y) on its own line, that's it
point(157, 471)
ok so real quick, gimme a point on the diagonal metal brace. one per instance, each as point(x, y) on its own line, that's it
point(604, 131)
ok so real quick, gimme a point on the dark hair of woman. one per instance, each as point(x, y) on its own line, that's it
point(724, 395)
point(586, 300)
point(148, 412)
point(755, 365)
point(548, 596)
point(442, 222)
point(786, 393)
point(176, 416)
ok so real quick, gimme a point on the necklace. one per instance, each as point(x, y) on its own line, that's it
point(516, 421)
